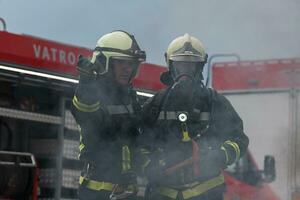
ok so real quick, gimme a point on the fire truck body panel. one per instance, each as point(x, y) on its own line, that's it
point(40, 54)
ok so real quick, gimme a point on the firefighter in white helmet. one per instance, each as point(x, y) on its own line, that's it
point(191, 132)
point(106, 109)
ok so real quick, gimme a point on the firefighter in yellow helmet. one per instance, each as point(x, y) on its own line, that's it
point(191, 132)
point(106, 109)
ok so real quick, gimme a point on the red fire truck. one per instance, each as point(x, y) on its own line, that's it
point(39, 135)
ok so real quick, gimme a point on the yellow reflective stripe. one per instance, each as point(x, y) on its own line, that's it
point(185, 133)
point(168, 192)
point(146, 163)
point(81, 146)
point(85, 107)
point(146, 159)
point(193, 191)
point(226, 154)
point(81, 179)
point(132, 188)
point(144, 151)
point(162, 162)
point(203, 187)
point(125, 158)
point(186, 136)
point(97, 185)
point(236, 148)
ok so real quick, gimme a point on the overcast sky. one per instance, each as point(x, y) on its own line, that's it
point(255, 29)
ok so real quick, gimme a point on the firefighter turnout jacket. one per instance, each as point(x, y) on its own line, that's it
point(108, 117)
point(190, 136)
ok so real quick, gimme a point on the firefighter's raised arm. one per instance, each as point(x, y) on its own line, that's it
point(106, 108)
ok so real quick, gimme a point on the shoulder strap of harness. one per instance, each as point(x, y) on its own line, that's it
point(157, 104)
point(211, 103)
point(135, 101)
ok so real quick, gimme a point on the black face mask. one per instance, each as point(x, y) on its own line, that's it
point(186, 76)
point(191, 70)
point(184, 68)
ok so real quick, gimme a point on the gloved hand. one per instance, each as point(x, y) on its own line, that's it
point(86, 69)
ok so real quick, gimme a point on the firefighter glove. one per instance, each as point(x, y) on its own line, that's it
point(87, 70)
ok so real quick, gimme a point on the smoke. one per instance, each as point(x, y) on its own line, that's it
point(253, 29)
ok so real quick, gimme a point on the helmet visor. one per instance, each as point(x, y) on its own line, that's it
point(187, 58)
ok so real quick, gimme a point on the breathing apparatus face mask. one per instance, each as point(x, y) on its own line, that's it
point(183, 69)
point(186, 76)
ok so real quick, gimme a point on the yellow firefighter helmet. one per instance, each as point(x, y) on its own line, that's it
point(183, 53)
point(116, 45)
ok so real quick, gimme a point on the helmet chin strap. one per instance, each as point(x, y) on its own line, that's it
point(133, 74)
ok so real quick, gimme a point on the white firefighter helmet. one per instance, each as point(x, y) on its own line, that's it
point(183, 52)
point(116, 45)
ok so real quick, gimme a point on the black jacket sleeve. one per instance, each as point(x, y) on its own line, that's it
point(86, 109)
point(228, 126)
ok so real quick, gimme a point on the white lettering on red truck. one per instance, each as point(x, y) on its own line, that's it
point(54, 55)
